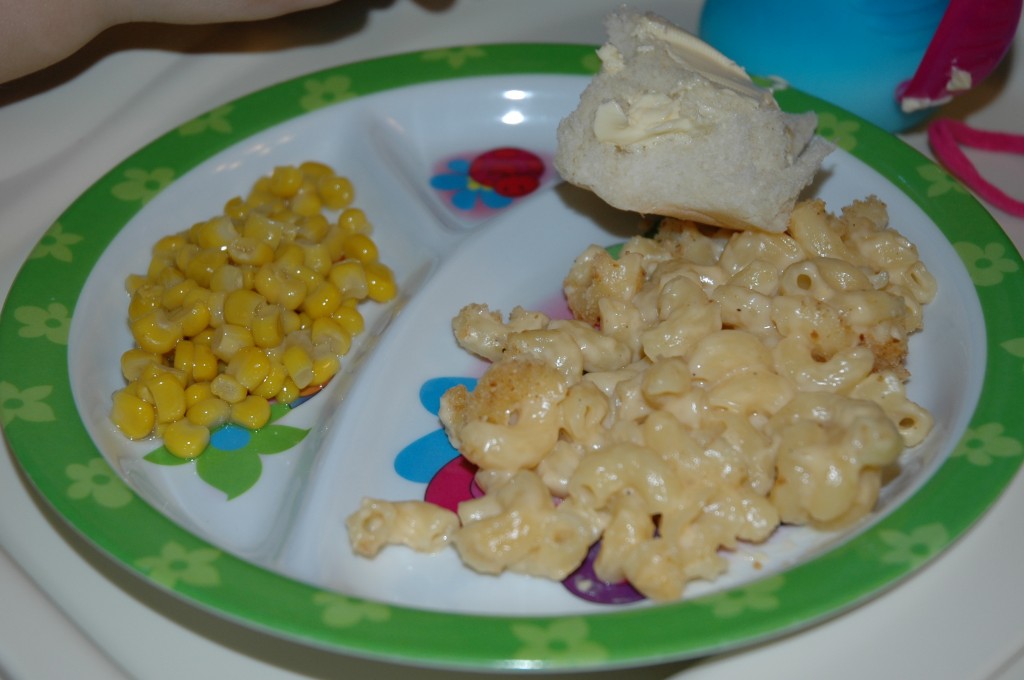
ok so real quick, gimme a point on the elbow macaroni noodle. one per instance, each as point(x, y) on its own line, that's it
point(712, 386)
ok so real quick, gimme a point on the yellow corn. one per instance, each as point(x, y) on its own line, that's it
point(350, 278)
point(289, 392)
point(326, 365)
point(318, 259)
point(204, 362)
point(185, 357)
point(195, 393)
point(353, 221)
point(336, 192)
point(280, 286)
point(306, 201)
point(229, 339)
point(250, 366)
point(168, 245)
point(214, 233)
point(250, 250)
point(228, 389)
point(168, 397)
point(135, 361)
point(274, 381)
point(313, 228)
point(285, 181)
point(185, 439)
point(202, 265)
point(290, 321)
point(322, 300)
point(240, 306)
point(380, 282)
point(236, 210)
point(133, 282)
point(252, 412)
point(174, 296)
point(266, 325)
point(227, 277)
point(327, 331)
point(299, 365)
point(133, 416)
point(360, 247)
point(261, 228)
point(350, 319)
point(157, 265)
point(145, 299)
point(210, 412)
point(334, 241)
point(155, 333)
point(193, 318)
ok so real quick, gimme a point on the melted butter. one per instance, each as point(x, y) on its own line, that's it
point(642, 119)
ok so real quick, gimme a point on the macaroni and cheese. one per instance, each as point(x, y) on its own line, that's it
point(711, 386)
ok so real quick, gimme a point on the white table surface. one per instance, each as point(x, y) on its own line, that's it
point(67, 611)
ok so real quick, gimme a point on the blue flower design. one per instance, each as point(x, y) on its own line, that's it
point(421, 460)
point(467, 192)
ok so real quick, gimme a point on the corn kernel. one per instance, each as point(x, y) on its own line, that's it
point(184, 357)
point(184, 256)
point(210, 412)
point(236, 210)
point(133, 282)
point(229, 339)
point(155, 333)
point(334, 241)
point(322, 300)
point(135, 361)
point(285, 181)
point(195, 393)
point(204, 361)
point(145, 299)
point(168, 245)
point(314, 169)
point(203, 264)
point(326, 365)
point(306, 201)
point(336, 192)
point(290, 321)
point(215, 233)
point(350, 278)
point(263, 229)
point(133, 416)
point(360, 247)
point(251, 413)
point(289, 392)
point(327, 331)
point(228, 389)
point(350, 319)
point(185, 439)
point(318, 259)
point(250, 250)
point(157, 265)
point(299, 366)
point(353, 221)
point(313, 228)
point(193, 318)
point(274, 381)
point(289, 254)
point(174, 296)
point(226, 278)
point(168, 397)
point(279, 286)
point(240, 306)
point(380, 282)
point(250, 366)
point(266, 326)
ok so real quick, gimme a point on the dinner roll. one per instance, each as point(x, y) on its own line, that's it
point(671, 127)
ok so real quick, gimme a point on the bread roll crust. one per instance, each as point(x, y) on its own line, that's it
point(671, 127)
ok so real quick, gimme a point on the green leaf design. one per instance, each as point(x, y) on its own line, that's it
point(162, 456)
point(276, 438)
point(233, 472)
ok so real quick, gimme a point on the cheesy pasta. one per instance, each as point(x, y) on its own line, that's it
point(711, 386)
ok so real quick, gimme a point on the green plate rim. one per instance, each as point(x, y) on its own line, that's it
point(50, 442)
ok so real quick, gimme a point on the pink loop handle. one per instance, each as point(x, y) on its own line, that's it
point(946, 137)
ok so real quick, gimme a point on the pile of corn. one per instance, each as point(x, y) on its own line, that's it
point(256, 304)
